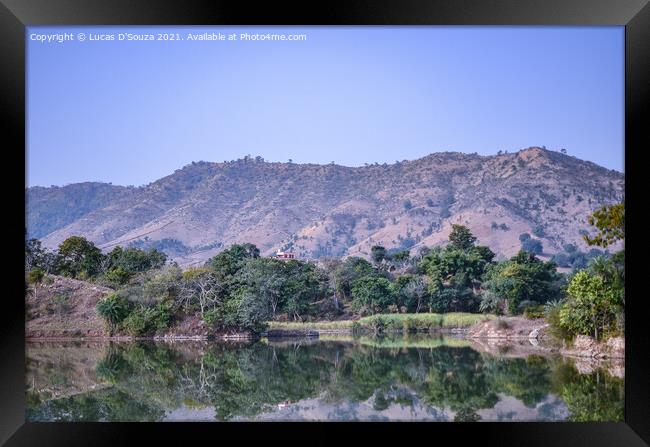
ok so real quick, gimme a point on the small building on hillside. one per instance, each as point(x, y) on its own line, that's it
point(284, 255)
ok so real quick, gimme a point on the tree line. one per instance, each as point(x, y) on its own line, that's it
point(239, 290)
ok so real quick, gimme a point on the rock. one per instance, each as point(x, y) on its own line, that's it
point(585, 346)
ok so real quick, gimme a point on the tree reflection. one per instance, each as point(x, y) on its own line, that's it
point(144, 381)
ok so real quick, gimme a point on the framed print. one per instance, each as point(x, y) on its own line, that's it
point(262, 219)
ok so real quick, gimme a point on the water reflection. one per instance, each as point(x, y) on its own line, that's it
point(365, 379)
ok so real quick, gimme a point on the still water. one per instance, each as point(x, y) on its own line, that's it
point(327, 379)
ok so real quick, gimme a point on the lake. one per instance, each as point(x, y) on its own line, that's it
point(334, 378)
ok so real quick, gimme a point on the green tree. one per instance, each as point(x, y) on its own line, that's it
point(372, 293)
point(411, 292)
point(523, 278)
point(80, 256)
point(377, 254)
point(461, 237)
point(610, 222)
point(134, 260)
point(349, 271)
point(229, 261)
point(304, 288)
point(592, 307)
point(34, 253)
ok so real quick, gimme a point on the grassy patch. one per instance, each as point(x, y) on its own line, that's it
point(422, 322)
point(296, 325)
point(392, 322)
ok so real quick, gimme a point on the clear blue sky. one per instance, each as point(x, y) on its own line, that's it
point(130, 112)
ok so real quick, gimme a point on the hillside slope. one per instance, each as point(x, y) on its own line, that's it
point(331, 210)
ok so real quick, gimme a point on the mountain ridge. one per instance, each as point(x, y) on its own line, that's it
point(333, 210)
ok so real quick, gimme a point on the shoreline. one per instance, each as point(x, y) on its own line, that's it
point(536, 341)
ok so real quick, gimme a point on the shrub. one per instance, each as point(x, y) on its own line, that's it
point(533, 312)
point(211, 317)
point(59, 305)
point(135, 324)
point(377, 324)
point(147, 320)
point(113, 309)
point(35, 276)
point(117, 276)
point(502, 324)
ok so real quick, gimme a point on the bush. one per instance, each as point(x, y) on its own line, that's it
point(502, 324)
point(59, 305)
point(211, 317)
point(113, 309)
point(143, 320)
point(533, 312)
point(135, 324)
point(117, 276)
point(35, 276)
point(378, 324)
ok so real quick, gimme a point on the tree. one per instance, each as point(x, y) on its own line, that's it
point(304, 288)
point(377, 254)
point(610, 222)
point(229, 261)
point(411, 292)
point(523, 278)
point(134, 260)
point(265, 279)
point(34, 253)
point(592, 307)
point(372, 293)
point(407, 205)
point(349, 271)
point(78, 255)
point(200, 285)
point(461, 237)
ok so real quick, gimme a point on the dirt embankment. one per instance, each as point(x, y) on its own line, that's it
point(512, 328)
point(504, 329)
point(64, 307)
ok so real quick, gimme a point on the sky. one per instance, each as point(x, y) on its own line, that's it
point(132, 111)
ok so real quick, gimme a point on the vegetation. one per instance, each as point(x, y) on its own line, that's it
point(610, 222)
point(576, 259)
point(238, 290)
point(391, 322)
point(530, 245)
point(595, 297)
point(523, 281)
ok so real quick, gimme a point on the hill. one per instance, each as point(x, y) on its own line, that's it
point(333, 210)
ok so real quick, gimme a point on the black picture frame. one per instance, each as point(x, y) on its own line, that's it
point(15, 15)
